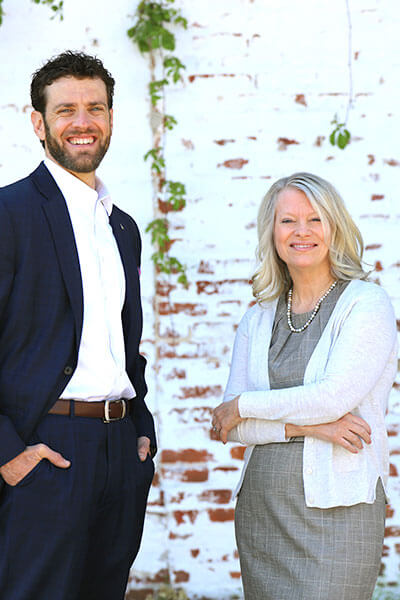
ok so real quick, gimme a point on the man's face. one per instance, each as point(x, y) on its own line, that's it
point(77, 123)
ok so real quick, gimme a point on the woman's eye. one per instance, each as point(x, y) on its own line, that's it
point(287, 221)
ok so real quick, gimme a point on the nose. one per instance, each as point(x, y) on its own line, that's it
point(81, 119)
point(302, 229)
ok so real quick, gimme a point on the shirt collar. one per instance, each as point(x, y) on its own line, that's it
point(71, 186)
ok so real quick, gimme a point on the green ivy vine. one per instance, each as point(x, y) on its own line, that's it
point(55, 5)
point(340, 135)
point(153, 37)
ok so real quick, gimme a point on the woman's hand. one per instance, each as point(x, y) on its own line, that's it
point(349, 432)
point(225, 417)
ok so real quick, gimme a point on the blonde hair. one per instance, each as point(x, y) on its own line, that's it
point(346, 247)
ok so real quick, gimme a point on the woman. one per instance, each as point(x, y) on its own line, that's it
point(313, 364)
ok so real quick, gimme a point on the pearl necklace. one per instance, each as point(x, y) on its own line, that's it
point(314, 312)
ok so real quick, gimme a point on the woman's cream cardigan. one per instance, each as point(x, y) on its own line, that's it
point(351, 369)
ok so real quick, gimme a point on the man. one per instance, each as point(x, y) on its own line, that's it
point(76, 437)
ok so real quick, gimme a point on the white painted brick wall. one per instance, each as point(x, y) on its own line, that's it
point(247, 62)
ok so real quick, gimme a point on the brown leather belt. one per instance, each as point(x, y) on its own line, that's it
point(108, 410)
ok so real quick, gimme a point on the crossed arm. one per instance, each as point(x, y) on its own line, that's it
point(359, 360)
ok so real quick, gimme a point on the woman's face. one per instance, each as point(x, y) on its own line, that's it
point(299, 236)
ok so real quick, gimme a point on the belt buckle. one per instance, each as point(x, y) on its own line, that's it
point(107, 418)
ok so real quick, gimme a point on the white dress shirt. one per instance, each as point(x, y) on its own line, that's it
point(351, 369)
point(100, 373)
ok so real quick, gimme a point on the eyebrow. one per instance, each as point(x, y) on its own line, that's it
point(72, 104)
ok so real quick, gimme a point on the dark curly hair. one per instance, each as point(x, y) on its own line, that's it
point(68, 64)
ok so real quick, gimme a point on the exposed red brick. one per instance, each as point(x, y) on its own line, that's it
point(235, 554)
point(223, 142)
point(371, 159)
point(373, 246)
point(194, 475)
point(188, 144)
point(392, 531)
point(238, 452)
point(216, 496)
point(161, 576)
point(283, 143)
point(156, 479)
point(165, 207)
point(191, 78)
point(393, 429)
point(181, 516)
point(163, 288)
point(226, 469)
point(214, 287)
point(177, 536)
point(198, 391)
point(397, 548)
point(221, 514)
point(396, 386)
point(392, 162)
point(181, 576)
point(160, 501)
point(189, 455)
point(141, 594)
point(395, 451)
point(389, 511)
point(356, 54)
point(176, 374)
point(187, 308)
point(235, 574)
point(205, 267)
point(300, 99)
point(378, 266)
point(195, 552)
point(177, 499)
point(319, 140)
point(375, 197)
point(385, 550)
point(393, 470)
point(234, 163)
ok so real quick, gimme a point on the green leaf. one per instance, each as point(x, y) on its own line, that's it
point(342, 140)
point(332, 137)
point(167, 40)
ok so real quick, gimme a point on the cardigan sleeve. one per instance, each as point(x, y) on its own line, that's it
point(249, 431)
point(357, 359)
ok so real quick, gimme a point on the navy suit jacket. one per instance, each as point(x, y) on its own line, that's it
point(41, 308)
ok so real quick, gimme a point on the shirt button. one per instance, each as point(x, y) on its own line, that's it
point(311, 440)
point(309, 471)
point(68, 370)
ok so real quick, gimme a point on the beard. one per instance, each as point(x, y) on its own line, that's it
point(86, 162)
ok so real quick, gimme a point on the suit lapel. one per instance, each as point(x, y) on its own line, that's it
point(123, 235)
point(57, 215)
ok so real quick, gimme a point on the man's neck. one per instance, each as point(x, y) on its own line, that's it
point(88, 178)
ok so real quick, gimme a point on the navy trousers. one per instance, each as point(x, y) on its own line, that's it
point(72, 534)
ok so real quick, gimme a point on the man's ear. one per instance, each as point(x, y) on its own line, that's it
point(111, 119)
point(38, 125)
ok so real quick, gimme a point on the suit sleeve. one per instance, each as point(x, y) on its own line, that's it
point(142, 417)
point(10, 442)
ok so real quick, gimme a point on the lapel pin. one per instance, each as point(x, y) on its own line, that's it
point(122, 227)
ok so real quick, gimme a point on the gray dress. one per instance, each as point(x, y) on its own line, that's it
point(287, 550)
